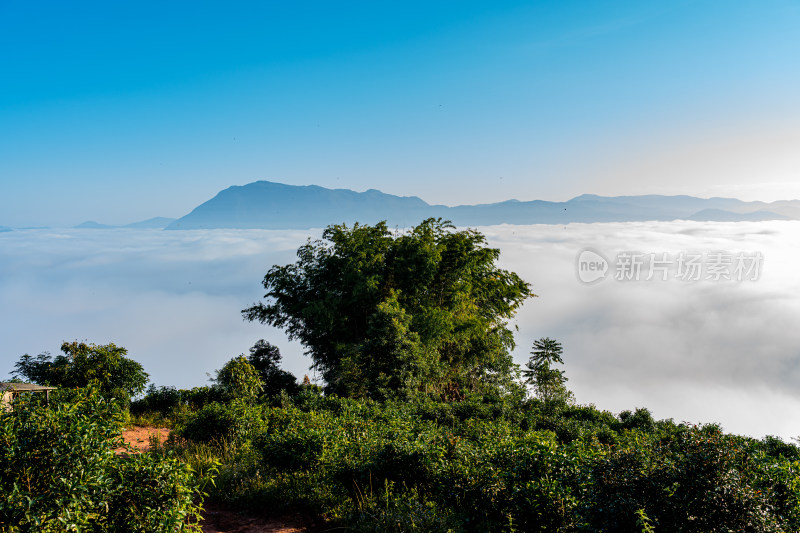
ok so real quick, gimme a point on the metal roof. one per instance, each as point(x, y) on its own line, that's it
point(23, 387)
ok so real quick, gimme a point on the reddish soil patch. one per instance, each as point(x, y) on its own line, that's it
point(138, 437)
point(220, 520)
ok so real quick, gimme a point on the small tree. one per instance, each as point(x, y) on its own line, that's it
point(266, 359)
point(103, 366)
point(238, 379)
point(547, 382)
point(35, 369)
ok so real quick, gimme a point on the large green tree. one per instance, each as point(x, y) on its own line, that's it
point(384, 312)
point(103, 366)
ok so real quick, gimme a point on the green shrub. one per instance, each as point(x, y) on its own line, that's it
point(639, 419)
point(775, 447)
point(485, 465)
point(153, 493)
point(216, 422)
point(161, 400)
point(239, 380)
point(55, 459)
point(58, 472)
point(694, 480)
point(295, 440)
point(399, 511)
point(199, 397)
point(266, 359)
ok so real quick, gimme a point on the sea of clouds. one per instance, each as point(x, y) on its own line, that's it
point(705, 350)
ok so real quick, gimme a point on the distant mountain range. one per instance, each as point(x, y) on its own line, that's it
point(150, 223)
point(269, 205)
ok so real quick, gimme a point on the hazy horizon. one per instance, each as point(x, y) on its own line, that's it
point(131, 222)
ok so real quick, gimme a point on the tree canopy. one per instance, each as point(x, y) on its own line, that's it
point(81, 365)
point(383, 313)
point(238, 379)
point(266, 359)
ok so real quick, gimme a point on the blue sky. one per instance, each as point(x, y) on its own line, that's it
point(120, 112)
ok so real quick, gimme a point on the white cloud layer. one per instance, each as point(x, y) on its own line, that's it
point(700, 351)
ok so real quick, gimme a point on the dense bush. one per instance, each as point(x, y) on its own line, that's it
point(389, 509)
point(693, 480)
point(220, 421)
point(161, 400)
point(166, 400)
point(58, 472)
point(239, 380)
point(152, 493)
point(488, 464)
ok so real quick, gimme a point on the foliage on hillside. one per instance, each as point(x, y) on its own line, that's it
point(58, 472)
point(486, 464)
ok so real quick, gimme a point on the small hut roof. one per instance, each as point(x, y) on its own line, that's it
point(20, 387)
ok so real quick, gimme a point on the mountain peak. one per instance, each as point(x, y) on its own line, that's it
point(271, 205)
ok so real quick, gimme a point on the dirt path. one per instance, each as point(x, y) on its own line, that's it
point(221, 520)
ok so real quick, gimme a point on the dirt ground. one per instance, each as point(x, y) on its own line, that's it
point(220, 520)
point(217, 519)
point(139, 437)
